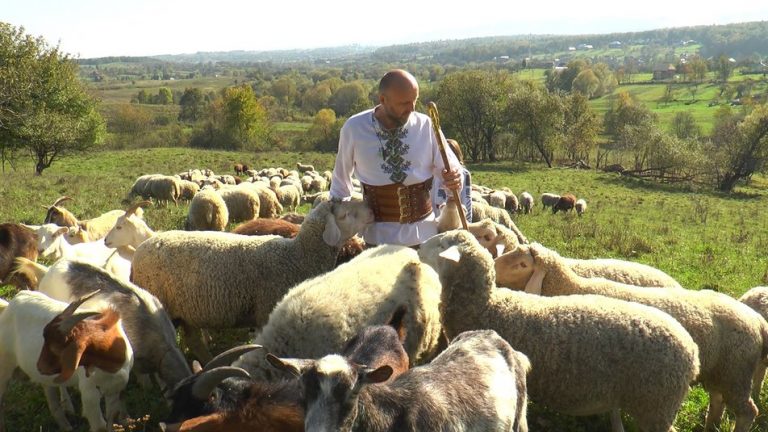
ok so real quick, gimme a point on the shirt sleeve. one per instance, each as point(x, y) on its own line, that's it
point(341, 181)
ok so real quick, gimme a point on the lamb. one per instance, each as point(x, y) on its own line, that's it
point(757, 299)
point(526, 203)
point(16, 241)
point(495, 237)
point(188, 189)
point(242, 204)
point(564, 204)
point(147, 325)
point(580, 206)
point(207, 211)
point(304, 168)
point(289, 195)
point(477, 384)
point(732, 338)
point(248, 275)
point(316, 317)
point(49, 342)
point(591, 354)
point(549, 200)
point(482, 210)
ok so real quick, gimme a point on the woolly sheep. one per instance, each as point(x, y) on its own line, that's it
point(590, 354)
point(732, 338)
point(526, 202)
point(223, 280)
point(549, 200)
point(497, 199)
point(495, 237)
point(242, 204)
point(510, 200)
point(304, 168)
point(626, 272)
point(318, 184)
point(316, 317)
point(580, 206)
point(270, 206)
point(188, 189)
point(289, 195)
point(757, 299)
point(207, 212)
point(164, 189)
point(564, 204)
point(139, 187)
point(482, 210)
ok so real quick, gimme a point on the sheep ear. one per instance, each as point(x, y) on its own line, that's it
point(452, 253)
point(535, 283)
point(332, 233)
point(379, 375)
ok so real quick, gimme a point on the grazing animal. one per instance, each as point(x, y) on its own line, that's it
point(16, 241)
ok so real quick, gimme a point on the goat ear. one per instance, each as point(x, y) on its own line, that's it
point(376, 376)
point(67, 324)
point(61, 231)
point(332, 233)
point(70, 360)
point(296, 367)
point(452, 253)
point(31, 227)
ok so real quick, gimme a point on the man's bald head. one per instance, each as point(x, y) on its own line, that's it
point(398, 79)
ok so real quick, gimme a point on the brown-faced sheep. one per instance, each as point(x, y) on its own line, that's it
point(564, 204)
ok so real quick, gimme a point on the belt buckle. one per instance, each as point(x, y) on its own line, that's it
point(404, 204)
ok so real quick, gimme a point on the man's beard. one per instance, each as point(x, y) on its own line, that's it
point(397, 121)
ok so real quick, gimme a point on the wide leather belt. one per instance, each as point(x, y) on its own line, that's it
point(398, 203)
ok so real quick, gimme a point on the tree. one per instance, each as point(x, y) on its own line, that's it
point(236, 121)
point(192, 105)
point(586, 83)
point(164, 96)
point(471, 109)
point(626, 111)
point(684, 126)
point(536, 116)
point(699, 68)
point(284, 89)
point(724, 68)
point(580, 127)
point(741, 145)
point(324, 132)
point(349, 98)
point(315, 98)
point(44, 107)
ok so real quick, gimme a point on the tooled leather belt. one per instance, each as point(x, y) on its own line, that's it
point(398, 203)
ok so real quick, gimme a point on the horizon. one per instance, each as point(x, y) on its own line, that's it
point(85, 29)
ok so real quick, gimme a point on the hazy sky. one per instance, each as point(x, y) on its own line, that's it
point(91, 28)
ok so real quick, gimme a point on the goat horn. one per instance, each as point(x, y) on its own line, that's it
point(132, 209)
point(61, 200)
point(208, 380)
point(227, 357)
point(77, 303)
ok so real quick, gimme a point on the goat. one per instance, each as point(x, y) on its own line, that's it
point(129, 229)
point(82, 230)
point(49, 342)
point(16, 241)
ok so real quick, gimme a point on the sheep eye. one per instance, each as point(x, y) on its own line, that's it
point(118, 227)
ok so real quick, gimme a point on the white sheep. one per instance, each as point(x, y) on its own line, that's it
point(549, 199)
point(269, 205)
point(497, 199)
point(526, 203)
point(580, 206)
point(289, 195)
point(188, 189)
point(482, 210)
point(243, 204)
point(207, 212)
point(318, 316)
point(222, 280)
point(626, 272)
point(139, 187)
point(164, 189)
point(49, 342)
point(757, 299)
point(732, 338)
point(510, 200)
point(495, 237)
point(304, 168)
point(589, 354)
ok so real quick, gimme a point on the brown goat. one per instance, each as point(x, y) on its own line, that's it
point(73, 340)
point(565, 203)
point(239, 169)
point(59, 215)
point(16, 241)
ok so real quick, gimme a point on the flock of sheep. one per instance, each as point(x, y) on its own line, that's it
point(456, 335)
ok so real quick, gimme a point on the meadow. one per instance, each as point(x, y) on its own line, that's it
point(704, 239)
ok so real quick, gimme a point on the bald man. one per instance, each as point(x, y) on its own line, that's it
point(393, 151)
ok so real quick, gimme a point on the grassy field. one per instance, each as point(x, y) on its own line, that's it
point(703, 239)
point(123, 91)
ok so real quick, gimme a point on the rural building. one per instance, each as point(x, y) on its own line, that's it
point(614, 45)
point(664, 71)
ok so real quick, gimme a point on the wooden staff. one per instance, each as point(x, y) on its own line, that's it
point(432, 111)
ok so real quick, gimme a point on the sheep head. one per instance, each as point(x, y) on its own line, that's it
point(72, 340)
point(342, 220)
point(525, 267)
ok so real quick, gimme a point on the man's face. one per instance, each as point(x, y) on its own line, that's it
point(398, 104)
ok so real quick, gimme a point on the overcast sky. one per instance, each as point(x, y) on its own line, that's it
point(91, 28)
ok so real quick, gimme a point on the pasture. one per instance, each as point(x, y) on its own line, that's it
point(705, 240)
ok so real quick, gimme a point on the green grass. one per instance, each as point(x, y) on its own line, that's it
point(123, 91)
point(703, 239)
